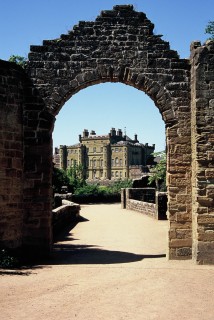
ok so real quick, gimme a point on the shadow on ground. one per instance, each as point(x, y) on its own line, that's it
point(90, 254)
point(66, 253)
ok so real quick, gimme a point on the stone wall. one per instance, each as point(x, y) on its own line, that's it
point(119, 46)
point(143, 207)
point(11, 154)
point(145, 200)
point(202, 60)
point(38, 167)
point(64, 216)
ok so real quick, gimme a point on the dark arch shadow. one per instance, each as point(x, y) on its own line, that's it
point(90, 254)
point(64, 252)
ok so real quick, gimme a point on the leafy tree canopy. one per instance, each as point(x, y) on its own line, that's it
point(21, 61)
point(76, 177)
point(59, 179)
point(158, 173)
point(210, 29)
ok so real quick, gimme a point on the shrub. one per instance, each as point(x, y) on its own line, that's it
point(59, 179)
point(21, 61)
point(87, 190)
point(7, 260)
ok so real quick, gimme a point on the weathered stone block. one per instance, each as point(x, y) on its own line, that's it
point(205, 253)
point(180, 243)
point(184, 252)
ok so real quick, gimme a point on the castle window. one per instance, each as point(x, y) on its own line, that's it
point(116, 173)
point(116, 149)
point(94, 149)
point(94, 174)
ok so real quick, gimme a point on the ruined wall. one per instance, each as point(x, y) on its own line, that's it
point(25, 180)
point(11, 154)
point(202, 84)
point(38, 167)
point(119, 46)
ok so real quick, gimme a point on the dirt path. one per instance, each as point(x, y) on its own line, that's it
point(111, 266)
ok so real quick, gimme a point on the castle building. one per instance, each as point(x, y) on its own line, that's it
point(56, 158)
point(107, 157)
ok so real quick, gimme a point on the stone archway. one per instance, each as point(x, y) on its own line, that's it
point(119, 46)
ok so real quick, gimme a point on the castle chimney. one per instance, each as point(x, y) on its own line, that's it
point(119, 133)
point(85, 133)
point(113, 132)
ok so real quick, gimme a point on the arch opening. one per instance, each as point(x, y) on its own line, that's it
point(108, 105)
point(111, 100)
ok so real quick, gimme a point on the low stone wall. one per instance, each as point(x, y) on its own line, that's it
point(64, 215)
point(145, 200)
point(143, 207)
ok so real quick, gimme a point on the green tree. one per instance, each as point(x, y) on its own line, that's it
point(21, 61)
point(210, 29)
point(76, 176)
point(119, 184)
point(158, 173)
point(59, 179)
point(87, 189)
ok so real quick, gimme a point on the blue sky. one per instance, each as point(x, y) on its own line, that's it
point(103, 106)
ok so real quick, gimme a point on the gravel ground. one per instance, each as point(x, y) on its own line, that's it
point(112, 265)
